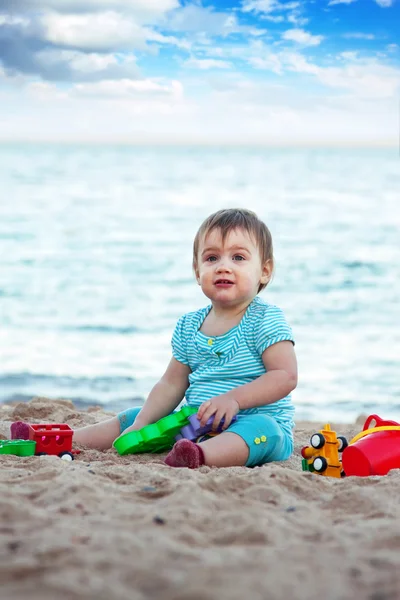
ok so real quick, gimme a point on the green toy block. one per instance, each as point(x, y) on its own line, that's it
point(18, 447)
point(157, 437)
point(305, 465)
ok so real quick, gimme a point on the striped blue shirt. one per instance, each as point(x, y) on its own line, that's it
point(221, 363)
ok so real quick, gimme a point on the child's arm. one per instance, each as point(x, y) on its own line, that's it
point(165, 395)
point(279, 380)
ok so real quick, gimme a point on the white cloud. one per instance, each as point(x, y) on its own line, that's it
point(128, 89)
point(245, 111)
point(382, 3)
point(78, 60)
point(45, 91)
point(267, 6)
point(366, 78)
point(332, 2)
point(198, 18)
point(43, 44)
point(205, 20)
point(296, 19)
point(102, 31)
point(269, 62)
point(359, 77)
point(348, 56)
point(91, 62)
point(230, 51)
point(274, 18)
point(155, 36)
point(16, 80)
point(302, 37)
point(142, 9)
point(87, 66)
point(13, 20)
point(171, 14)
point(207, 63)
point(359, 36)
point(259, 5)
point(255, 32)
point(256, 53)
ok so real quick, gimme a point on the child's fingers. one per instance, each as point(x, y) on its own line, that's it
point(217, 419)
point(208, 412)
point(202, 408)
point(227, 421)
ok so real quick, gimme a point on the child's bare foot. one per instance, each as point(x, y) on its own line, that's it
point(185, 454)
point(19, 430)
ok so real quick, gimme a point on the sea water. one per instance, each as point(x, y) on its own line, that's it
point(95, 266)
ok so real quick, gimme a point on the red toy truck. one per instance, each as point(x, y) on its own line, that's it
point(53, 439)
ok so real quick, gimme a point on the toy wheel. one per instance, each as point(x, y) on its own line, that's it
point(317, 440)
point(342, 473)
point(343, 443)
point(320, 464)
point(42, 454)
point(68, 456)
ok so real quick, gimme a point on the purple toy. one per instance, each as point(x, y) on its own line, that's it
point(194, 430)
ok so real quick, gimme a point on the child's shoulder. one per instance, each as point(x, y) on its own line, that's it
point(262, 308)
point(269, 322)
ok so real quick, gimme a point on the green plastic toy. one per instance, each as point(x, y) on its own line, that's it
point(18, 447)
point(157, 437)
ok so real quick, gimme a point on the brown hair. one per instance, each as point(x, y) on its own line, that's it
point(230, 219)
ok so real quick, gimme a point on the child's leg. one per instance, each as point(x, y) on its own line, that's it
point(266, 440)
point(102, 435)
point(99, 436)
point(252, 440)
point(225, 450)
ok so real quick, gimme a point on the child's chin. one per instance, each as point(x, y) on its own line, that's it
point(226, 302)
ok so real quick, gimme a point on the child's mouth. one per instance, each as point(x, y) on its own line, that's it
point(224, 283)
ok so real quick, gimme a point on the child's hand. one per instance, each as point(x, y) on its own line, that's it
point(224, 406)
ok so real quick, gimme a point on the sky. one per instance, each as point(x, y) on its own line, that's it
point(179, 71)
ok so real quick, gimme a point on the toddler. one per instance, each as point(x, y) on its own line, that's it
point(233, 357)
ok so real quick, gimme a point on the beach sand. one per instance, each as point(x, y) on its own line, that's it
point(126, 528)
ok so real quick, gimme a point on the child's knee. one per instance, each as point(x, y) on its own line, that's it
point(127, 417)
point(265, 438)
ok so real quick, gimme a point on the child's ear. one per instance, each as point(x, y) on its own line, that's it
point(197, 275)
point(266, 271)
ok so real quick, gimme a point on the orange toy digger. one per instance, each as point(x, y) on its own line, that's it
point(322, 456)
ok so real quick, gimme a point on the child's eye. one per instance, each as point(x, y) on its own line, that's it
point(211, 258)
point(238, 257)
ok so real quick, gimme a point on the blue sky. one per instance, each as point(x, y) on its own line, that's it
point(249, 71)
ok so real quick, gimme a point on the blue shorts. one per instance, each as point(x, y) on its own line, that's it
point(266, 439)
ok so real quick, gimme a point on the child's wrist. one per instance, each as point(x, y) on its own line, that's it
point(235, 399)
point(139, 423)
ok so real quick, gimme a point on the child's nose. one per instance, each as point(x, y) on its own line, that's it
point(223, 265)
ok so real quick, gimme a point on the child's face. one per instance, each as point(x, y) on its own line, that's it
point(230, 273)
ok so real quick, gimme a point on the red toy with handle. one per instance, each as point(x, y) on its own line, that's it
point(375, 450)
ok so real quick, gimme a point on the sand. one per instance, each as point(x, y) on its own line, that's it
point(126, 528)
